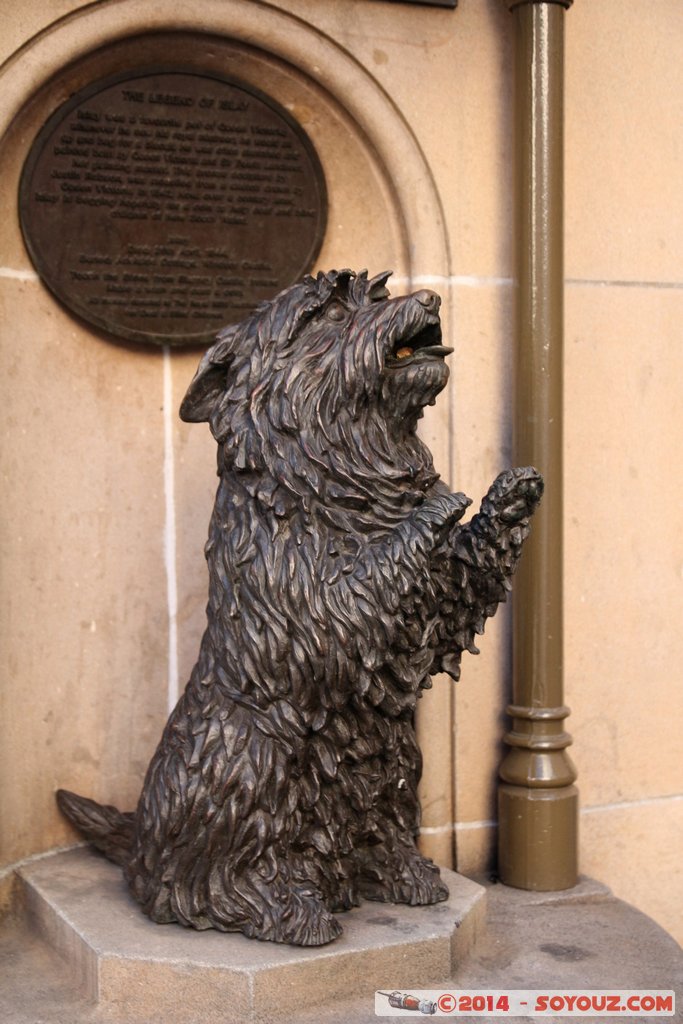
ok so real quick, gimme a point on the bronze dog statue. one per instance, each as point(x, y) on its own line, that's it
point(284, 788)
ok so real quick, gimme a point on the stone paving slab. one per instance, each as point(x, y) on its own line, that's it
point(80, 906)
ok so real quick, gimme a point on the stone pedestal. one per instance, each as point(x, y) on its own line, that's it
point(140, 971)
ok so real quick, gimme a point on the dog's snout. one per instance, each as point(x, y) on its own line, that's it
point(430, 300)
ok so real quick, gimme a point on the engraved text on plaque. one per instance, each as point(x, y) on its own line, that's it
point(163, 205)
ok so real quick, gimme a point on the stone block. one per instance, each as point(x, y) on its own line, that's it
point(130, 966)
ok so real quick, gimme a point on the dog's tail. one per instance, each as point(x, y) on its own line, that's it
point(106, 828)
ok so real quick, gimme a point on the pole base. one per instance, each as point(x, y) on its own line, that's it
point(538, 837)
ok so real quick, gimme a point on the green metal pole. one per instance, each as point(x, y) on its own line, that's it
point(538, 805)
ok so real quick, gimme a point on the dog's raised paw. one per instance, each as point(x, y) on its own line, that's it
point(515, 494)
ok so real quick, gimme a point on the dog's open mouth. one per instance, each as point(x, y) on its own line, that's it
point(417, 344)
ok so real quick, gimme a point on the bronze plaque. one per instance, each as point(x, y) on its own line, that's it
point(162, 205)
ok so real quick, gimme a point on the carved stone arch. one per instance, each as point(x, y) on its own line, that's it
point(255, 35)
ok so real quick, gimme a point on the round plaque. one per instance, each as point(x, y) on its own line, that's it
point(163, 204)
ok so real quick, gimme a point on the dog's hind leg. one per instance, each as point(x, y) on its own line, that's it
point(390, 868)
point(292, 913)
point(250, 901)
point(219, 834)
point(265, 901)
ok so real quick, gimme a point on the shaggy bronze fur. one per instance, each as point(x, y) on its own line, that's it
point(284, 788)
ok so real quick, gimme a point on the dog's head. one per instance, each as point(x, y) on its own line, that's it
point(333, 361)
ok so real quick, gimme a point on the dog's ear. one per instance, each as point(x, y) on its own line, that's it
point(209, 382)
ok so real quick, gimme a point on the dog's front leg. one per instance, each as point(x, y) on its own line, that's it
point(382, 603)
point(474, 565)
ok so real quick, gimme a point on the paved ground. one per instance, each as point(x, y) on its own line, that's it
point(588, 940)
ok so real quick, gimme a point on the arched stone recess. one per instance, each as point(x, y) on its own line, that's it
point(272, 42)
point(87, 569)
point(385, 210)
